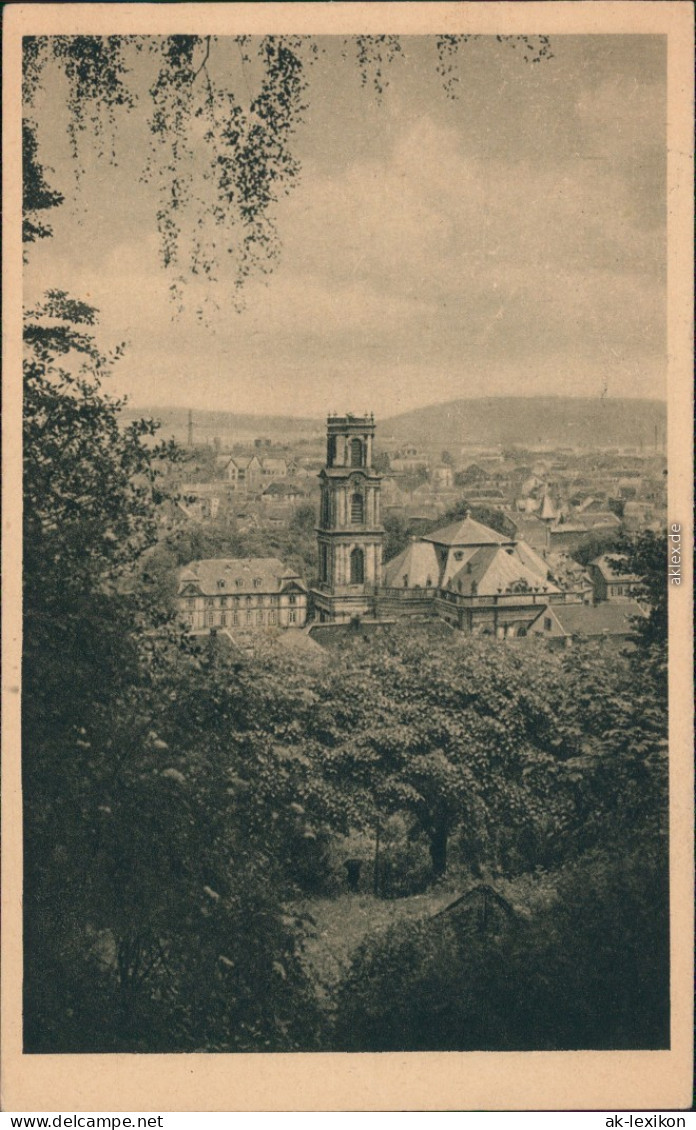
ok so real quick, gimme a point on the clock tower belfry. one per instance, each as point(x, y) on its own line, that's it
point(350, 534)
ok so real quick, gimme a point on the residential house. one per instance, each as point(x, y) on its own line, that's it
point(566, 624)
point(610, 580)
point(243, 472)
point(201, 502)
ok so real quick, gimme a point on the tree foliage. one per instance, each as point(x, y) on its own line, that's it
point(153, 915)
point(222, 113)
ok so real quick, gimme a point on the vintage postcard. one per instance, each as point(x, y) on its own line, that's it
point(347, 747)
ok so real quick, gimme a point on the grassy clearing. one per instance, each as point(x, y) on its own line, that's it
point(341, 923)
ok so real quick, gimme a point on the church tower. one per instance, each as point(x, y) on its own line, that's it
point(350, 533)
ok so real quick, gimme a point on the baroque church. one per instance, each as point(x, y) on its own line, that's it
point(478, 580)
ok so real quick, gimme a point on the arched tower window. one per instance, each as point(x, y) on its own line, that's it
point(356, 453)
point(357, 509)
point(325, 508)
point(357, 566)
point(324, 563)
point(331, 451)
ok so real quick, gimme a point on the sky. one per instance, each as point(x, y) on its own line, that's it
point(511, 242)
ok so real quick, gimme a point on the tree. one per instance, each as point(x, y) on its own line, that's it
point(152, 903)
point(38, 197)
point(222, 116)
point(463, 738)
point(396, 535)
point(595, 544)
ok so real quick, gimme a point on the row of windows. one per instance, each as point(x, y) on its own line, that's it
point(238, 582)
point(239, 619)
point(235, 601)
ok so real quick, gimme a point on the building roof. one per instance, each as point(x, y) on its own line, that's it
point(281, 490)
point(568, 528)
point(531, 558)
point(418, 562)
point(548, 510)
point(492, 571)
point(595, 620)
point(201, 489)
point(238, 576)
point(531, 528)
point(568, 571)
point(467, 532)
point(594, 519)
point(611, 570)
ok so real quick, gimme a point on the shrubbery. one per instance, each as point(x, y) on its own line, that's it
point(591, 971)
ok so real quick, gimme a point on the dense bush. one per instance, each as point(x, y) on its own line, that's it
point(589, 972)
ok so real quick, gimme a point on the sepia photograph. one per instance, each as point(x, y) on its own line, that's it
point(348, 537)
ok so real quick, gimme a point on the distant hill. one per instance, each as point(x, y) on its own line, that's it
point(541, 421)
point(228, 427)
point(530, 422)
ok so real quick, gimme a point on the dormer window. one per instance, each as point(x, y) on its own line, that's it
point(238, 582)
point(458, 555)
point(222, 584)
point(257, 582)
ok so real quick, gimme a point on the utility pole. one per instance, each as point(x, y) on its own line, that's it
point(190, 429)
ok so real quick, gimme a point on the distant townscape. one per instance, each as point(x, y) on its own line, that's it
point(504, 542)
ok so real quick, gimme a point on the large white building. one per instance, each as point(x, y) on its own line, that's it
point(247, 593)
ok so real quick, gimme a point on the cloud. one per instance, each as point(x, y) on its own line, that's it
point(514, 241)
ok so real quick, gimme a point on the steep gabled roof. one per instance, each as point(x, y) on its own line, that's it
point(467, 532)
point(548, 510)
